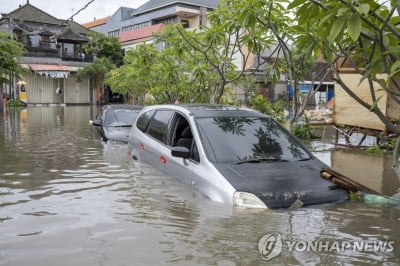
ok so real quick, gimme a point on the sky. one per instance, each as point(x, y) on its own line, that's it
point(63, 9)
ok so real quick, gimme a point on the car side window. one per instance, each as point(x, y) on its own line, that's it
point(194, 153)
point(182, 136)
point(158, 127)
point(144, 120)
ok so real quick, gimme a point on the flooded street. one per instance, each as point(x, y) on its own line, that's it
point(68, 199)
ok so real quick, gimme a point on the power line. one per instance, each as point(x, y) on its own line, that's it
point(83, 8)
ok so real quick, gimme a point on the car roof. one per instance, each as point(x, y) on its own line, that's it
point(122, 106)
point(211, 110)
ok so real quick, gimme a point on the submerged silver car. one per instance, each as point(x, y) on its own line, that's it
point(232, 155)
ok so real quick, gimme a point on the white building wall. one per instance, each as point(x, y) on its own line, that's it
point(76, 92)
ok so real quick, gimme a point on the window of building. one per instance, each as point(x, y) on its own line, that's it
point(170, 20)
point(136, 26)
point(185, 23)
point(113, 33)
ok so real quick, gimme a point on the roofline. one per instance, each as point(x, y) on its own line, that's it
point(164, 5)
point(6, 16)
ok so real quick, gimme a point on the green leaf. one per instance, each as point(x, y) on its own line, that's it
point(395, 68)
point(354, 26)
point(392, 49)
point(295, 3)
point(336, 28)
point(343, 11)
point(363, 9)
point(374, 104)
point(327, 17)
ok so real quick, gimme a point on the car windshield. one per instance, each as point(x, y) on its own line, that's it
point(248, 140)
point(120, 118)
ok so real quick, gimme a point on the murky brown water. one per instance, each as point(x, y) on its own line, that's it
point(68, 199)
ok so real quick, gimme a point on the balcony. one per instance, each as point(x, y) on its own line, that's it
point(46, 51)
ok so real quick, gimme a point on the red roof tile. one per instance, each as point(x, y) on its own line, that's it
point(96, 22)
point(47, 67)
point(140, 33)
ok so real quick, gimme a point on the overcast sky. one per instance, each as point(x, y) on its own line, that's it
point(63, 9)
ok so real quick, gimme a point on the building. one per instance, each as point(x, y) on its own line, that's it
point(134, 26)
point(54, 53)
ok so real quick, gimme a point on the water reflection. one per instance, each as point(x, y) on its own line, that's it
point(66, 198)
point(374, 172)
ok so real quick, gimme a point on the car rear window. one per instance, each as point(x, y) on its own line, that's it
point(159, 125)
point(235, 139)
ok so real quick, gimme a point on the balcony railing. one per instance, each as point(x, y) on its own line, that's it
point(55, 53)
point(77, 57)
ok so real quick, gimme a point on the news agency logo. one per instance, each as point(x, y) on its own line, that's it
point(271, 245)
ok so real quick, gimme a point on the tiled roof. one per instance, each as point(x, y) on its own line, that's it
point(76, 27)
point(69, 34)
point(44, 67)
point(96, 22)
point(154, 4)
point(140, 33)
point(30, 13)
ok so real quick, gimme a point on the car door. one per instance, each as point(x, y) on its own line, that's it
point(153, 147)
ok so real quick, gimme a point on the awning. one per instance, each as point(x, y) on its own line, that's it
point(53, 71)
point(47, 67)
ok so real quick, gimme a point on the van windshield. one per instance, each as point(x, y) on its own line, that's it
point(248, 139)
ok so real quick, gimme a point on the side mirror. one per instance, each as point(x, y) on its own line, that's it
point(180, 152)
point(96, 122)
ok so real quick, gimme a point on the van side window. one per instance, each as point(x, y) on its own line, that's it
point(158, 127)
point(144, 120)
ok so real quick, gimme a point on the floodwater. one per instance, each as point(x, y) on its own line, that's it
point(68, 199)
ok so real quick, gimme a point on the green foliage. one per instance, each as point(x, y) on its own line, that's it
point(10, 53)
point(97, 70)
point(15, 103)
point(382, 147)
point(175, 73)
point(374, 150)
point(275, 110)
point(363, 31)
point(103, 46)
point(303, 131)
point(248, 83)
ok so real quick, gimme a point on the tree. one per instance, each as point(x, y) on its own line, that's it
point(103, 46)
point(174, 73)
point(108, 54)
point(227, 46)
point(97, 70)
point(10, 53)
point(268, 33)
point(363, 33)
point(134, 77)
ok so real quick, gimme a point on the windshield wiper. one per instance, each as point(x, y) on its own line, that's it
point(259, 160)
point(305, 159)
